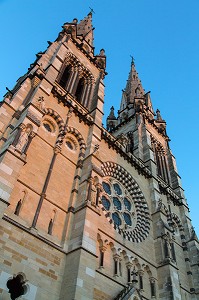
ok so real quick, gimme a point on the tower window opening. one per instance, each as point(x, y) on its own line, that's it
point(141, 282)
point(120, 268)
point(152, 283)
point(65, 77)
point(101, 258)
point(79, 90)
point(129, 275)
point(115, 267)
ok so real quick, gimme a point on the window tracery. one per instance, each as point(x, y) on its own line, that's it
point(76, 79)
point(115, 201)
point(132, 221)
point(161, 160)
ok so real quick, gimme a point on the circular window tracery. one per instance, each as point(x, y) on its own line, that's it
point(106, 203)
point(117, 188)
point(127, 204)
point(132, 220)
point(116, 219)
point(115, 202)
point(127, 219)
point(106, 187)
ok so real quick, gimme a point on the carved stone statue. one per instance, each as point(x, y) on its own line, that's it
point(23, 139)
point(93, 193)
point(40, 103)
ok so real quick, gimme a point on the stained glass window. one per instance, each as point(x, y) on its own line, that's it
point(116, 219)
point(106, 187)
point(106, 203)
point(117, 188)
point(117, 203)
point(127, 204)
point(127, 219)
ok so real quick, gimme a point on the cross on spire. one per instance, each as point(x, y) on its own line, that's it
point(92, 11)
point(132, 60)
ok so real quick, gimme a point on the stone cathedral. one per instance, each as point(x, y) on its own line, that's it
point(87, 212)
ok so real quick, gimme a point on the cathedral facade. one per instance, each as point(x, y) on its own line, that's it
point(87, 212)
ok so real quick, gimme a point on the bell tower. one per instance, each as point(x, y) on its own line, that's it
point(147, 139)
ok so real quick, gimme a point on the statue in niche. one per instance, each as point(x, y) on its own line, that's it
point(92, 190)
point(93, 193)
point(169, 249)
point(23, 139)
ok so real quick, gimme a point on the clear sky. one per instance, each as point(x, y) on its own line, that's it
point(163, 37)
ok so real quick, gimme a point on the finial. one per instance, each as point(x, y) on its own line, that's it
point(102, 52)
point(132, 60)
point(159, 118)
point(75, 21)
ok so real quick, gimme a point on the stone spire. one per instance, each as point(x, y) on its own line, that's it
point(85, 29)
point(134, 87)
point(111, 121)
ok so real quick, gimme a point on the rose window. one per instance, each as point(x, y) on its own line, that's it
point(124, 204)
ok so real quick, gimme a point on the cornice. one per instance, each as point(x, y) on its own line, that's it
point(68, 100)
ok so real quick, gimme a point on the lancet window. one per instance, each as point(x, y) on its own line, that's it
point(161, 160)
point(76, 79)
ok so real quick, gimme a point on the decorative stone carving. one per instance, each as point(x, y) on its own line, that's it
point(23, 139)
point(123, 140)
point(140, 230)
point(40, 103)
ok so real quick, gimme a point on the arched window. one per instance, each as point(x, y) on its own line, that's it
point(65, 77)
point(50, 227)
point(79, 90)
point(18, 207)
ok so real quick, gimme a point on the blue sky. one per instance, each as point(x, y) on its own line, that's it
point(161, 35)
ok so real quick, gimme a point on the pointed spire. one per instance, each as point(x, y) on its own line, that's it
point(111, 121)
point(85, 29)
point(134, 87)
point(112, 114)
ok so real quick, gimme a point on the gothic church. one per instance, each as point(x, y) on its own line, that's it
point(87, 212)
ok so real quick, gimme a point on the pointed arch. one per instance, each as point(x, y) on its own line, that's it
point(177, 220)
point(76, 79)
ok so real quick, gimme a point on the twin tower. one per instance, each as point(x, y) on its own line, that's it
point(87, 212)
